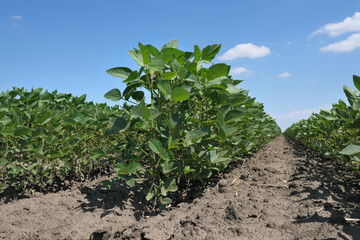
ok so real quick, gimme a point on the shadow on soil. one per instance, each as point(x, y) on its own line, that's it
point(337, 190)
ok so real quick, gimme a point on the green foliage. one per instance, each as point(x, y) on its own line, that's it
point(336, 132)
point(44, 136)
point(196, 120)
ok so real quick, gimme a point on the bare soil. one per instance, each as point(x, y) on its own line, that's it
point(284, 191)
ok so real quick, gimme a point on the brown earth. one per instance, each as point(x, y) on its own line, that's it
point(284, 191)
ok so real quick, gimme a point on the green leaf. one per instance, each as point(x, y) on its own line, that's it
point(138, 95)
point(122, 72)
point(97, 152)
point(356, 80)
point(165, 87)
point(140, 111)
point(132, 76)
point(156, 147)
point(164, 201)
point(3, 162)
point(113, 95)
point(194, 136)
point(216, 71)
point(171, 44)
point(127, 168)
point(21, 131)
point(5, 120)
point(169, 186)
point(179, 94)
point(148, 195)
point(197, 53)
point(45, 118)
point(168, 53)
point(154, 113)
point(215, 156)
point(170, 167)
point(350, 93)
point(156, 65)
point(169, 75)
point(119, 125)
point(137, 56)
point(145, 54)
point(209, 52)
point(351, 150)
point(153, 50)
point(234, 116)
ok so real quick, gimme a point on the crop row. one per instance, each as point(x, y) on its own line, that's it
point(46, 136)
point(334, 133)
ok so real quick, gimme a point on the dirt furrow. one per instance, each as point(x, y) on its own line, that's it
point(284, 191)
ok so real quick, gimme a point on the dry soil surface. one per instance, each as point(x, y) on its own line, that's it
point(284, 191)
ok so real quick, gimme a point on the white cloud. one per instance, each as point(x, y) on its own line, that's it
point(285, 120)
point(346, 45)
point(17, 17)
point(238, 70)
point(350, 24)
point(246, 50)
point(284, 75)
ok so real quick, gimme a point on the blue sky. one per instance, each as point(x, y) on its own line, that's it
point(293, 55)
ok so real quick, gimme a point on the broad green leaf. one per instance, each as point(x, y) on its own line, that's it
point(165, 87)
point(15, 115)
point(119, 125)
point(350, 93)
point(197, 53)
point(209, 52)
point(169, 186)
point(133, 76)
point(5, 120)
point(234, 116)
point(145, 54)
point(175, 64)
point(97, 151)
point(137, 56)
point(215, 156)
point(148, 195)
point(140, 111)
point(171, 44)
point(156, 65)
point(156, 147)
point(45, 118)
point(122, 72)
point(138, 95)
point(226, 131)
point(168, 53)
point(217, 70)
point(352, 149)
point(356, 80)
point(179, 94)
point(127, 168)
point(154, 113)
point(164, 201)
point(169, 75)
point(21, 131)
point(3, 162)
point(113, 95)
point(153, 50)
point(355, 124)
point(194, 136)
point(237, 99)
point(187, 170)
point(170, 167)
